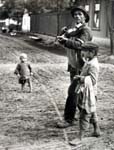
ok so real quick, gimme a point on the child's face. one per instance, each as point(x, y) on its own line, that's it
point(84, 55)
point(23, 59)
point(87, 55)
point(91, 55)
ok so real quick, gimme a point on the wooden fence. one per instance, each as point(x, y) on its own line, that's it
point(50, 23)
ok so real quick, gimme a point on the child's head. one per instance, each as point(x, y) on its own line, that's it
point(89, 50)
point(23, 57)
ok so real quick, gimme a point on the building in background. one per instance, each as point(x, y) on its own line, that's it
point(97, 9)
point(101, 18)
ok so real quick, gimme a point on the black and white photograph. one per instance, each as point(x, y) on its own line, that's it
point(56, 74)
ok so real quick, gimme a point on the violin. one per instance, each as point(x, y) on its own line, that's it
point(67, 33)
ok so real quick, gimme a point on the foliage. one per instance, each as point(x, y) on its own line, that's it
point(15, 8)
point(11, 8)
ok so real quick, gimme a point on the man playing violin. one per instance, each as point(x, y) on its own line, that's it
point(72, 39)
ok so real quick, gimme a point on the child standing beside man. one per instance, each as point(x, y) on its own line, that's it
point(86, 89)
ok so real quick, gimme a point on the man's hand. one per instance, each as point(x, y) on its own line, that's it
point(62, 39)
point(63, 30)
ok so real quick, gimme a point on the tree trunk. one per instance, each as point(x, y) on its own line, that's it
point(111, 41)
point(110, 5)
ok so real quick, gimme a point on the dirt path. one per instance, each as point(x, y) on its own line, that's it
point(27, 120)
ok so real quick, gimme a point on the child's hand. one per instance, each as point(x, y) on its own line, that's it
point(82, 79)
point(18, 76)
point(31, 73)
point(78, 77)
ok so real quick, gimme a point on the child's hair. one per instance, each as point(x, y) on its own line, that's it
point(23, 56)
point(90, 46)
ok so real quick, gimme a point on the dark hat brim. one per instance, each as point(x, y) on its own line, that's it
point(80, 9)
point(91, 46)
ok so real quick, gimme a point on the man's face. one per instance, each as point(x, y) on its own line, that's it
point(79, 17)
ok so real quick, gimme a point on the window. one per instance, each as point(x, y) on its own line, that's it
point(87, 7)
point(87, 2)
point(96, 14)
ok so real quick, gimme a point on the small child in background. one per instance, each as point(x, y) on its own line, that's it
point(24, 72)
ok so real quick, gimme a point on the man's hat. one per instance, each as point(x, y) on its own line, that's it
point(90, 46)
point(80, 8)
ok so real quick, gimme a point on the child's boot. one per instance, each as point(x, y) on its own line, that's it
point(81, 134)
point(22, 87)
point(96, 132)
point(30, 88)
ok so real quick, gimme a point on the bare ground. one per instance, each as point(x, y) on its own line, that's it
point(28, 120)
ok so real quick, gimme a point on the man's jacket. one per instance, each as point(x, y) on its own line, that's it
point(73, 44)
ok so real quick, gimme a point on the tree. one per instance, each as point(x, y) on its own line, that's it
point(12, 8)
point(110, 7)
point(31, 6)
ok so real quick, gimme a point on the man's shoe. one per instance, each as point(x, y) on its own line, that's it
point(64, 124)
point(96, 134)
